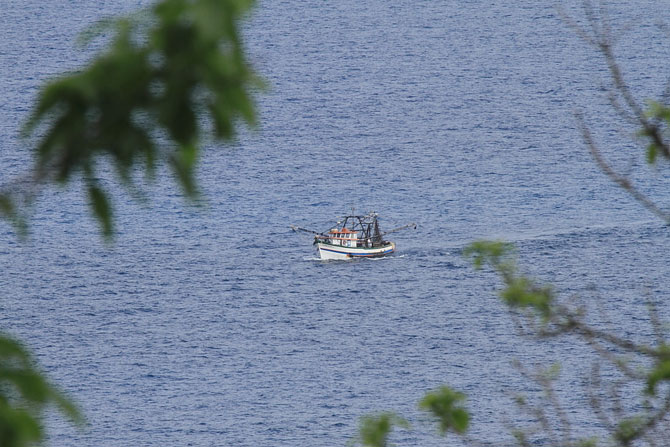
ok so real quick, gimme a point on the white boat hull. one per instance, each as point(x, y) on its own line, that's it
point(330, 251)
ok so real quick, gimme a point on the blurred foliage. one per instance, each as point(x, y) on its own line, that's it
point(629, 429)
point(166, 81)
point(175, 74)
point(24, 395)
point(170, 77)
point(631, 421)
point(497, 253)
point(374, 430)
point(520, 291)
point(444, 404)
point(656, 132)
point(622, 361)
point(660, 370)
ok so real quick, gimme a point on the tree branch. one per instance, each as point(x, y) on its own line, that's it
point(617, 178)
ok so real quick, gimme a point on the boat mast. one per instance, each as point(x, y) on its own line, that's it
point(376, 236)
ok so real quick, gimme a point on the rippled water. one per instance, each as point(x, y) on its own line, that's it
point(215, 325)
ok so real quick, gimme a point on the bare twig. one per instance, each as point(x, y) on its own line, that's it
point(620, 180)
point(595, 401)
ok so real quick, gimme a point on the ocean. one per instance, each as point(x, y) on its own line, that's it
point(212, 323)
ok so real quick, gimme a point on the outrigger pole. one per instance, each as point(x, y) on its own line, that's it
point(411, 225)
point(297, 228)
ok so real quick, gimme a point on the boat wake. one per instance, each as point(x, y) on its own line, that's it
point(386, 258)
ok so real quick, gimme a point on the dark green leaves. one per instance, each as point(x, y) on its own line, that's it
point(24, 394)
point(446, 405)
point(147, 99)
point(374, 430)
point(8, 211)
point(101, 208)
point(652, 153)
point(657, 131)
point(183, 162)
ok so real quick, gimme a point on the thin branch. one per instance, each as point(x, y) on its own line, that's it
point(556, 404)
point(537, 411)
point(651, 130)
point(620, 180)
point(617, 362)
point(652, 421)
point(595, 401)
point(601, 37)
point(578, 29)
point(656, 323)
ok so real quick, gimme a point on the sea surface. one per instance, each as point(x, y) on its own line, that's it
point(213, 324)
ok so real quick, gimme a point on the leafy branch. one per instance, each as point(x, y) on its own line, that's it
point(144, 101)
point(444, 405)
point(653, 119)
point(171, 77)
point(554, 319)
point(24, 395)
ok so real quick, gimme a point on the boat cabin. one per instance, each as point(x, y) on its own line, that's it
point(344, 237)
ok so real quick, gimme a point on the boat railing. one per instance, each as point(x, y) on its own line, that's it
point(353, 242)
point(341, 238)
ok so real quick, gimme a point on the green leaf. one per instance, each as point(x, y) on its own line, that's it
point(374, 430)
point(24, 394)
point(661, 372)
point(629, 429)
point(183, 164)
point(6, 205)
point(18, 428)
point(652, 153)
point(101, 209)
point(658, 110)
point(491, 252)
point(155, 83)
point(445, 405)
point(552, 373)
point(10, 211)
point(523, 292)
point(589, 442)
point(519, 291)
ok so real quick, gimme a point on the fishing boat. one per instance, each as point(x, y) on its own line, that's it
point(353, 236)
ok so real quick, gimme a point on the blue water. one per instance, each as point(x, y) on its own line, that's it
point(213, 324)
